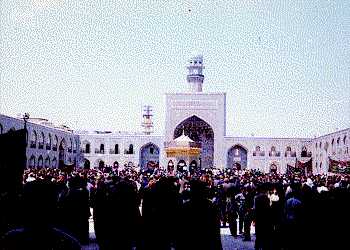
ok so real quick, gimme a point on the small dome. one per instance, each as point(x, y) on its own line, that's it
point(183, 138)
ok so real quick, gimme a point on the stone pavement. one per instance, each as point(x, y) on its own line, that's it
point(228, 242)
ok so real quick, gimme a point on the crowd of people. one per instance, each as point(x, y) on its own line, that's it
point(156, 209)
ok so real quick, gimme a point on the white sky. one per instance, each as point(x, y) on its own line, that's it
point(285, 65)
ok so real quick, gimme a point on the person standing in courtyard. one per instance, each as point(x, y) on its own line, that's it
point(263, 220)
point(200, 220)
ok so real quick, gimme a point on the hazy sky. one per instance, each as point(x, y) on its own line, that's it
point(285, 65)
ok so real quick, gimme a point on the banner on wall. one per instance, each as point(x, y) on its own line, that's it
point(304, 166)
point(294, 169)
point(339, 167)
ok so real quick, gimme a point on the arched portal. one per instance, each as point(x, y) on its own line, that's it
point(32, 161)
point(273, 168)
point(101, 164)
point(54, 162)
point(116, 164)
point(181, 166)
point(193, 166)
point(86, 164)
point(237, 157)
point(199, 131)
point(170, 166)
point(47, 162)
point(61, 150)
point(148, 153)
point(40, 162)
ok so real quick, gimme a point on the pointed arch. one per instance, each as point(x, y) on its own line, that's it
point(201, 132)
point(31, 162)
point(47, 161)
point(33, 139)
point(49, 142)
point(149, 152)
point(40, 161)
point(237, 156)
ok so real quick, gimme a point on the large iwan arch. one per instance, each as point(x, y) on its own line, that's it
point(199, 131)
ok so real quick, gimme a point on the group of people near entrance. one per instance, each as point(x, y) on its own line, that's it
point(159, 210)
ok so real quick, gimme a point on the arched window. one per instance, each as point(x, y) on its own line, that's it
point(130, 150)
point(32, 161)
point(55, 143)
point(41, 140)
point(326, 145)
point(332, 142)
point(321, 165)
point(338, 141)
point(102, 149)
point(40, 161)
point(75, 146)
point(303, 152)
point(33, 139)
point(54, 162)
point(87, 148)
point(47, 162)
point(273, 151)
point(49, 142)
point(344, 140)
point(116, 149)
point(288, 152)
point(70, 148)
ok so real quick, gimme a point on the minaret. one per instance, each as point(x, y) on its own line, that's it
point(195, 75)
point(147, 122)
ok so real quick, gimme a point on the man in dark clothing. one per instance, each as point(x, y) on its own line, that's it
point(263, 221)
point(38, 230)
point(293, 218)
point(232, 214)
point(74, 209)
point(248, 215)
point(160, 214)
point(200, 221)
point(117, 217)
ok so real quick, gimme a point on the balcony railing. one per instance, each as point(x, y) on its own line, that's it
point(290, 154)
point(97, 151)
point(274, 154)
point(258, 153)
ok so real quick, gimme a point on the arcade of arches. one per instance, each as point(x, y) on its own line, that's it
point(199, 131)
